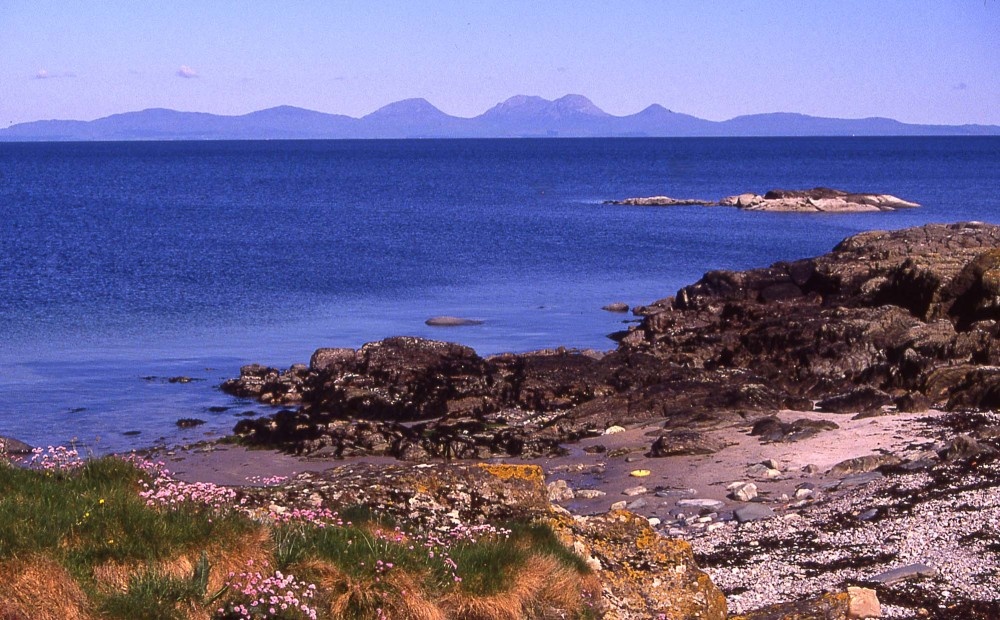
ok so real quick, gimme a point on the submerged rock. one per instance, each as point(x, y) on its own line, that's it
point(451, 321)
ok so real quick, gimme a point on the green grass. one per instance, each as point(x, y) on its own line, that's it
point(93, 515)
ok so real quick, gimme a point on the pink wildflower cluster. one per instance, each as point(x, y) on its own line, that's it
point(59, 458)
point(168, 492)
point(318, 517)
point(475, 533)
point(266, 481)
point(165, 491)
point(257, 594)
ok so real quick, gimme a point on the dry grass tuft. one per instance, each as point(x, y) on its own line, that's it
point(340, 595)
point(543, 587)
point(39, 588)
point(232, 557)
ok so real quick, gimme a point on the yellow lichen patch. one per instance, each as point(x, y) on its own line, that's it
point(41, 589)
point(504, 471)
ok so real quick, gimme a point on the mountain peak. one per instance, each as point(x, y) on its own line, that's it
point(415, 107)
point(578, 104)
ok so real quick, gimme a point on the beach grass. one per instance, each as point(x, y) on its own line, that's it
point(113, 538)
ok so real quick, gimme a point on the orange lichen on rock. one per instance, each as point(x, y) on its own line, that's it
point(505, 471)
point(646, 575)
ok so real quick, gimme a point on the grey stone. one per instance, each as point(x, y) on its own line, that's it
point(711, 504)
point(590, 493)
point(559, 491)
point(753, 512)
point(904, 573)
point(632, 491)
point(637, 504)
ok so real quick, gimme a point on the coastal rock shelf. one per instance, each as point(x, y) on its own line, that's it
point(902, 320)
point(816, 200)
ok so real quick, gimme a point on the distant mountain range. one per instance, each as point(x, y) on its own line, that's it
point(518, 117)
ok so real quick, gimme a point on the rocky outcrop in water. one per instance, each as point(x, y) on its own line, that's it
point(816, 200)
point(886, 319)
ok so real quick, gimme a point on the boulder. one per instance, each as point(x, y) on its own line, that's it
point(618, 306)
point(864, 464)
point(681, 442)
point(773, 429)
point(12, 447)
point(753, 512)
point(862, 399)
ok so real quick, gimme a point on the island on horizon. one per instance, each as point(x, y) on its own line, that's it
point(521, 116)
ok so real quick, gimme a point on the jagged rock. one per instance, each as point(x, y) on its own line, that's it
point(680, 442)
point(864, 464)
point(773, 429)
point(862, 399)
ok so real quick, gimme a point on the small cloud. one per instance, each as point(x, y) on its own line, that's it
point(960, 86)
point(45, 74)
point(186, 72)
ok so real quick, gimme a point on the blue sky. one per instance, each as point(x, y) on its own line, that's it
point(914, 60)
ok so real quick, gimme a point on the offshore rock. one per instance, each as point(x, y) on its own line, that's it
point(817, 200)
point(660, 201)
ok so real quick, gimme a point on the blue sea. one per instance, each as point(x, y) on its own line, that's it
point(126, 264)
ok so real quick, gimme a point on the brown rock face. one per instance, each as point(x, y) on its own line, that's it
point(646, 575)
point(908, 317)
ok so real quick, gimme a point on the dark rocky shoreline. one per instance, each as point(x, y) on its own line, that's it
point(887, 321)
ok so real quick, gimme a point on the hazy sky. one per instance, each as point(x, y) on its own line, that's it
point(918, 61)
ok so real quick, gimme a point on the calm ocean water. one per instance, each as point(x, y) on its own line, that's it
point(124, 264)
